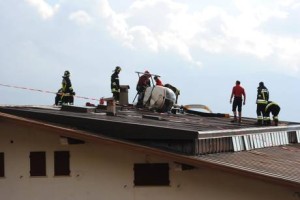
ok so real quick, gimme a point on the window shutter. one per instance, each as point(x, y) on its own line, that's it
point(61, 163)
point(1, 164)
point(37, 163)
point(153, 174)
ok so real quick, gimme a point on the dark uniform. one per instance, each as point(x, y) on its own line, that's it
point(273, 108)
point(65, 95)
point(261, 101)
point(67, 90)
point(174, 89)
point(115, 83)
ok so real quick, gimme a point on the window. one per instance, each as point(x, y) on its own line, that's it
point(155, 174)
point(38, 163)
point(61, 163)
point(1, 164)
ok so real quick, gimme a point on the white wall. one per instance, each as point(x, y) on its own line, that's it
point(106, 172)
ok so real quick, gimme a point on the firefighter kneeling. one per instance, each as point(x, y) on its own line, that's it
point(273, 108)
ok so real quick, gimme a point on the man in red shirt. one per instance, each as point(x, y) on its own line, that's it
point(238, 93)
point(158, 81)
point(143, 83)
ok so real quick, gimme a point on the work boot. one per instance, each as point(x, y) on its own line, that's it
point(139, 105)
point(240, 120)
point(267, 123)
point(259, 123)
point(234, 119)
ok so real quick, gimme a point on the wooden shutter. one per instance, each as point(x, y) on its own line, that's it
point(61, 163)
point(1, 164)
point(154, 174)
point(37, 163)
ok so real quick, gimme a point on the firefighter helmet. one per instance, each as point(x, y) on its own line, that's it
point(118, 69)
point(261, 84)
point(66, 73)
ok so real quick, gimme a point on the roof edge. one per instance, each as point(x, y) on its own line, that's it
point(190, 160)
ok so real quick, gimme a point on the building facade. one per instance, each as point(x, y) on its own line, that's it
point(39, 162)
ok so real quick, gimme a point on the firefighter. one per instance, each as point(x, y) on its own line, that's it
point(67, 89)
point(158, 81)
point(239, 94)
point(143, 83)
point(115, 84)
point(65, 95)
point(261, 101)
point(174, 89)
point(273, 108)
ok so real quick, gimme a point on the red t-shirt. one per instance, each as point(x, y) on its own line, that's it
point(158, 82)
point(238, 91)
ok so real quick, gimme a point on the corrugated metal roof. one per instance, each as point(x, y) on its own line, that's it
point(281, 162)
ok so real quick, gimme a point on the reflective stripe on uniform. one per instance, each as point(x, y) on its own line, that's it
point(261, 101)
point(115, 90)
point(270, 104)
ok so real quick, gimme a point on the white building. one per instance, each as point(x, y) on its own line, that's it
point(43, 160)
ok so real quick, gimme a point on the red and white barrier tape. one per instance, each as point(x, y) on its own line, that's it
point(45, 91)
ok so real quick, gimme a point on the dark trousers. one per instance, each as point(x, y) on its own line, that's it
point(260, 111)
point(275, 111)
point(67, 99)
point(57, 99)
point(237, 103)
point(116, 96)
point(141, 92)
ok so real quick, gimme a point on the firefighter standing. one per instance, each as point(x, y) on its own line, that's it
point(238, 93)
point(143, 83)
point(115, 83)
point(261, 101)
point(273, 108)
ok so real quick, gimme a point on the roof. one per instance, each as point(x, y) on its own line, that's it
point(279, 162)
point(267, 153)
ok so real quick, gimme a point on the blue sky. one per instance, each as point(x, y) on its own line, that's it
point(202, 47)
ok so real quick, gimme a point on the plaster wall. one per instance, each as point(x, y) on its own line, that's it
point(106, 172)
